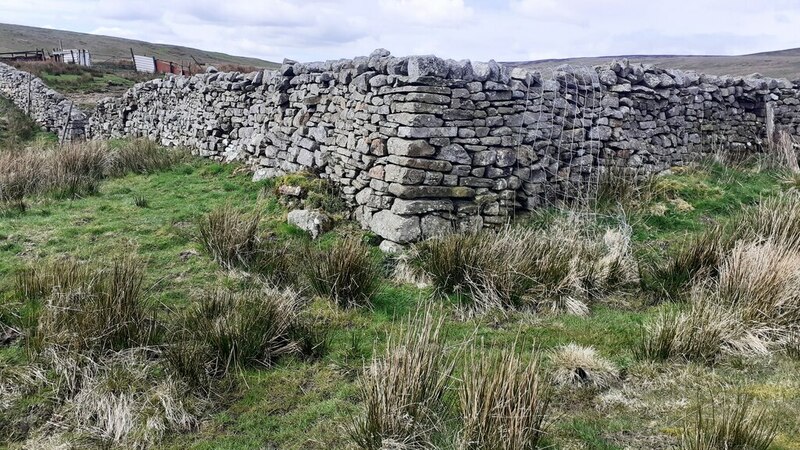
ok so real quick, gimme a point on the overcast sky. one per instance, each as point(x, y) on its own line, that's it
point(505, 30)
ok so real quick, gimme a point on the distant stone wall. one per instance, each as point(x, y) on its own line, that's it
point(51, 110)
point(420, 146)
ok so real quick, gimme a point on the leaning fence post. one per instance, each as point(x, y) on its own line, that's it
point(30, 79)
point(66, 126)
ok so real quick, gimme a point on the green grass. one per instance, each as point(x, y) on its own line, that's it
point(85, 82)
point(302, 403)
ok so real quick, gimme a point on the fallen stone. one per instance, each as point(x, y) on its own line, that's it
point(391, 248)
point(290, 191)
point(313, 222)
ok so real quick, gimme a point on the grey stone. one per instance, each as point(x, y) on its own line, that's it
point(435, 226)
point(427, 132)
point(403, 147)
point(454, 153)
point(396, 228)
point(390, 248)
point(407, 207)
point(313, 222)
point(426, 66)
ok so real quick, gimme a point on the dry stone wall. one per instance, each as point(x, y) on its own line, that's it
point(419, 145)
point(51, 110)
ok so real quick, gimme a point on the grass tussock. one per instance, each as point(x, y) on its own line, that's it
point(776, 219)
point(575, 365)
point(346, 272)
point(77, 169)
point(235, 240)
point(762, 283)
point(734, 424)
point(559, 268)
point(19, 177)
point(404, 390)
point(128, 401)
point(93, 311)
point(232, 330)
point(504, 401)
point(751, 307)
point(39, 281)
point(231, 236)
point(623, 187)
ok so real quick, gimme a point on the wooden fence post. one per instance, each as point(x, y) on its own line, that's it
point(30, 79)
point(66, 126)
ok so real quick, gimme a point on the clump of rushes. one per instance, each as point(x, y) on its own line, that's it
point(40, 280)
point(346, 272)
point(74, 170)
point(91, 312)
point(140, 201)
point(776, 219)
point(733, 424)
point(231, 236)
point(77, 169)
point(752, 306)
point(559, 268)
point(504, 401)
point(228, 330)
point(20, 176)
point(403, 390)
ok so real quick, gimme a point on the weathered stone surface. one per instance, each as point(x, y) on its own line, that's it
point(408, 207)
point(396, 228)
point(418, 163)
point(426, 66)
point(290, 191)
point(416, 120)
point(435, 226)
point(390, 248)
point(427, 132)
point(454, 153)
point(403, 175)
point(313, 222)
point(415, 149)
point(412, 192)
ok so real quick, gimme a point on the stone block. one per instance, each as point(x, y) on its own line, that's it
point(396, 228)
point(404, 147)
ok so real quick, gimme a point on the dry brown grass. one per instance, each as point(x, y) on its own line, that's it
point(346, 272)
point(127, 401)
point(231, 236)
point(504, 401)
point(731, 424)
point(575, 365)
point(73, 170)
point(559, 269)
point(749, 309)
point(761, 282)
point(90, 312)
point(403, 389)
point(227, 331)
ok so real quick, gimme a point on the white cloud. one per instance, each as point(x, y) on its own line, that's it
point(477, 29)
point(427, 12)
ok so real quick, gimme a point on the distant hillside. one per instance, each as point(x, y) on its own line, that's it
point(778, 64)
point(18, 37)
